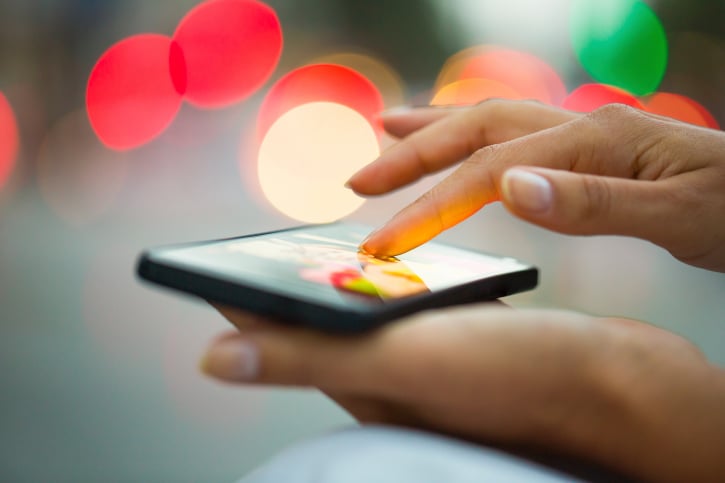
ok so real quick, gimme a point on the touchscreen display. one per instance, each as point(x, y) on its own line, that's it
point(323, 264)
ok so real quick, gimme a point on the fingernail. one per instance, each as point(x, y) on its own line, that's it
point(526, 190)
point(364, 245)
point(348, 183)
point(232, 360)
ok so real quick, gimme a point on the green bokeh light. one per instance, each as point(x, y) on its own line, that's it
point(620, 42)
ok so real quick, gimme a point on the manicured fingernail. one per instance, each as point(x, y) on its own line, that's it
point(232, 360)
point(527, 191)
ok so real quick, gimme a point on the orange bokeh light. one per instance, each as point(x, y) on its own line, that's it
point(681, 108)
point(321, 83)
point(230, 47)
point(470, 91)
point(135, 90)
point(9, 139)
point(308, 154)
point(524, 73)
point(589, 97)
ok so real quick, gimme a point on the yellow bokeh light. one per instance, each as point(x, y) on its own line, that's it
point(308, 154)
point(455, 65)
point(471, 91)
point(529, 76)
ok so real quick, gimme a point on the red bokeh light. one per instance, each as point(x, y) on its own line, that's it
point(589, 97)
point(681, 108)
point(321, 83)
point(470, 91)
point(135, 90)
point(9, 139)
point(231, 47)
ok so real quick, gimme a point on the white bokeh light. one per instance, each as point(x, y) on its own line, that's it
point(308, 154)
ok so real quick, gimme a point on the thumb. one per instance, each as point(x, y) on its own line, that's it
point(295, 357)
point(584, 204)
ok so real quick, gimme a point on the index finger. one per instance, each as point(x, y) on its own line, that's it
point(473, 185)
point(450, 138)
point(241, 319)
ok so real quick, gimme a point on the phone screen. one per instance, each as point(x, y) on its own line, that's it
point(323, 263)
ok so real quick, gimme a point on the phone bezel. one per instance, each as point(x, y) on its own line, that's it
point(153, 268)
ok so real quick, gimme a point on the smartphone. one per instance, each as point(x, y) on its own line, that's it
point(316, 276)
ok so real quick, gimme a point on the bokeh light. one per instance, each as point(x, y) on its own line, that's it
point(385, 78)
point(620, 43)
point(470, 91)
point(321, 83)
point(681, 108)
point(78, 178)
point(527, 75)
point(231, 47)
point(308, 154)
point(9, 139)
point(589, 97)
point(135, 90)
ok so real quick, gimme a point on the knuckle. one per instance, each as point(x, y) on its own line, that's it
point(614, 113)
point(534, 103)
point(492, 108)
point(491, 103)
point(484, 155)
point(597, 199)
point(486, 165)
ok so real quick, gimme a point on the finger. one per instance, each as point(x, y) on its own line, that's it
point(385, 363)
point(584, 204)
point(403, 121)
point(240, 318)
point(452, 138)
point(474, 184)
point(369, 410)
point(296, 357)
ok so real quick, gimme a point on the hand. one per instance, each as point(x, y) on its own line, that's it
point(615, 171)
point(620, 393)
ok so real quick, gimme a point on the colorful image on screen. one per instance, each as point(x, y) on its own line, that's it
point(324, 262)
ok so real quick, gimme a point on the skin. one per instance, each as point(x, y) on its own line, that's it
point(616, 392)
point(615, 171)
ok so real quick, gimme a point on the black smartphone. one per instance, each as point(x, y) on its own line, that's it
point(315, 276)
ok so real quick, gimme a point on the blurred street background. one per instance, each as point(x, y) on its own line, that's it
point(98, 372)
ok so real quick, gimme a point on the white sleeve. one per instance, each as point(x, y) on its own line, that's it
point(377, 454)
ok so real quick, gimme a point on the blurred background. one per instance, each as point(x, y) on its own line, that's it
point(129, 124)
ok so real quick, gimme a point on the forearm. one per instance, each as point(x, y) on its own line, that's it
point(653, 413)
point(684, 435)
